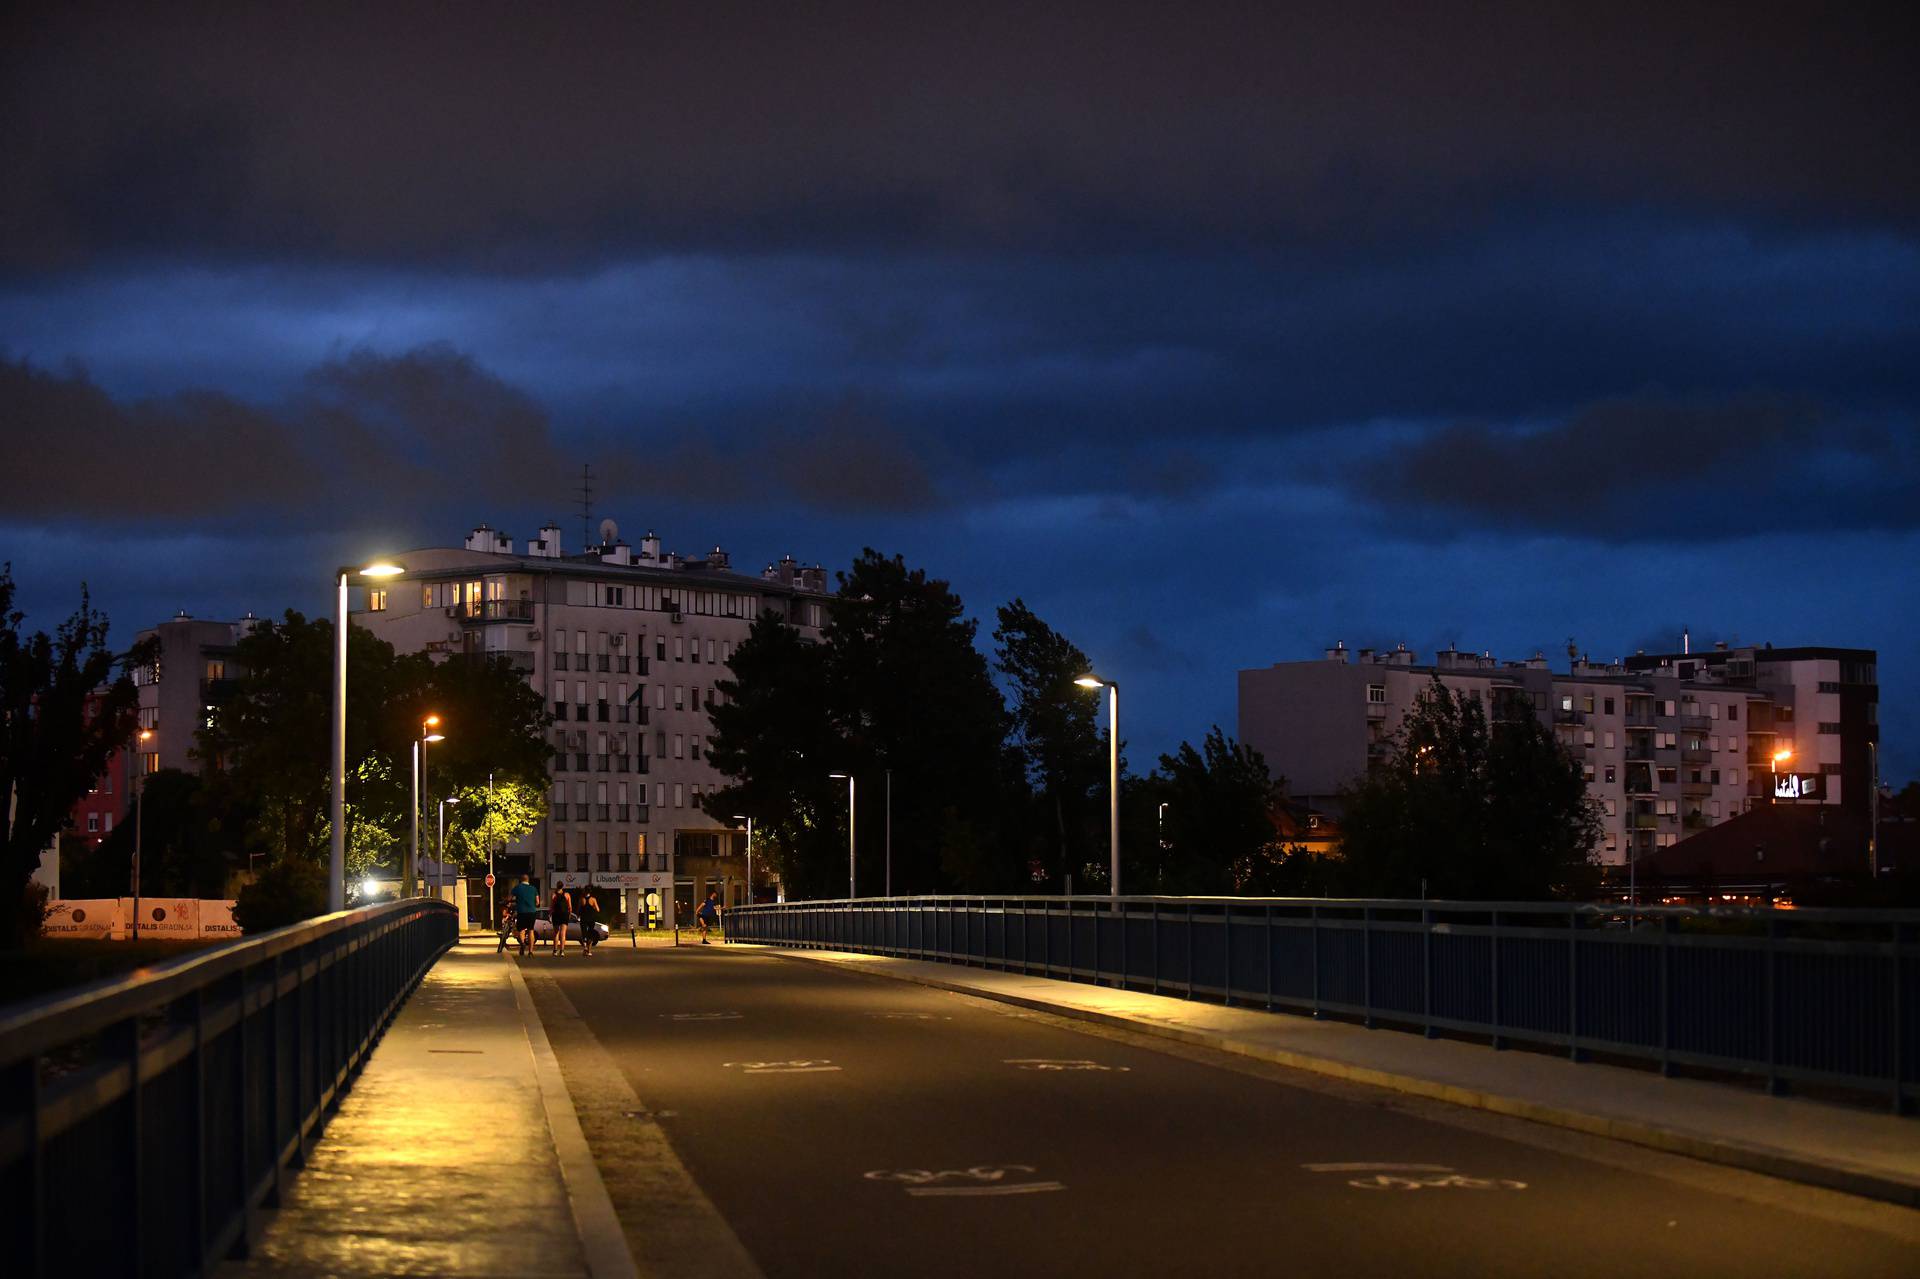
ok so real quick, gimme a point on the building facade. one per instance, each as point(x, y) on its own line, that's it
point(625, 646)
point(193, 669)
point(1670, 743)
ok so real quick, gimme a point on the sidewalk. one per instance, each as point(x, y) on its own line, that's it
point(1858, 1151)
point(456, 1151)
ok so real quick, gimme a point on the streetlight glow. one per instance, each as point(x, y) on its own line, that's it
point(382, 568)
point(337, 808)
point(1782, 755)
point(1090, 680)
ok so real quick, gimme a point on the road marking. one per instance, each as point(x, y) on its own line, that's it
point(805, 1066)
point(1059, 1063)
point(910, 1016)
point(1437, 1177)
point(701, 1016)
point(987, 1179)
point(1021, 1188)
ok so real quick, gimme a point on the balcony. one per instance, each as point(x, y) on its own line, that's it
point(1645, 821)
point(1562, 715)
point(603, 662)
point(604, 713)
point(482, 611)
point(1696, 754)
point(1376, 710)
point(1696, 821)
point(1702, 787)
point(580, 761)
point(600, 812)
point(1696, 722)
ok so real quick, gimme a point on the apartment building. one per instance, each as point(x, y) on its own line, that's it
point(1670, 743)
point(625, 645)
point(193, 669)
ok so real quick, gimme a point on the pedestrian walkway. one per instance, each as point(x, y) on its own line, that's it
point(456, 1152)
point(1854, 1150)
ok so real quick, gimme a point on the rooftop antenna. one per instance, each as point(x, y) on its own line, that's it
point(1686, 641)
point(586, 504)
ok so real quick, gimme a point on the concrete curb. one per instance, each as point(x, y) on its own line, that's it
point(601, 1239)
point(1734, 1154)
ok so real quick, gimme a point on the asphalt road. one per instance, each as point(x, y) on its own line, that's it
point(852, 1125)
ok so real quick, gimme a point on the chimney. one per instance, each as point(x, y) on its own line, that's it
point(547, 545)
point(1400, 656)
point(649, 548)
point(618, 553)
point(717, 558)
point(1338, 653)
point(490, 540)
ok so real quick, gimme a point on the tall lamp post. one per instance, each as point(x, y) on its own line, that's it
point(429, 732)
point(742, 817)
point(1780, 757)
point(440, 865)
point(849, 777)
point(139, 820)
point(1113, 774)
point(337, 811)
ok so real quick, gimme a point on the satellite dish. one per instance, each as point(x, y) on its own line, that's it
point(608, 532)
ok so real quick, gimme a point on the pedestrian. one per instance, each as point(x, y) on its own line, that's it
point(508, 917)
point(560, 910)
point(589, 914)
point(526, 907)
point(708, 915)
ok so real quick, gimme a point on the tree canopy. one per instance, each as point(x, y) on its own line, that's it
point(1468, 807)
point(67, 703)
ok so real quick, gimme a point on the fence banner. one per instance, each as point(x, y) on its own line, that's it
point(87, 917)
point(170, 917)
point(216, 919)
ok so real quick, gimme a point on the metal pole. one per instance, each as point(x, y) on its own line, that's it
point(493, 913)
point(337, 812)
point(139, 824)
point(1113, 789)
point(889, 832)
point(413, 843)
point(850, 880)
point(749, 861)
point(440, 854)
point(1873, 811)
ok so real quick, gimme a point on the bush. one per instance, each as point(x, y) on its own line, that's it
point(288, 891)
point(34, 901)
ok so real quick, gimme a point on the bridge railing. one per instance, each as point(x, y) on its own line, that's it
point(145, 1119)
point(1813, 996)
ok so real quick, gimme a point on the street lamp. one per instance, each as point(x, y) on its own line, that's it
point(337, 845)
point(1113, 774)
point(850, 881)
point(1780, 757)
point(428, 733)
point(139, 821)
point(742, 817)
point(440, 866)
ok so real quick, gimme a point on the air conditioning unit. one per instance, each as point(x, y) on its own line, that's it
point(619, 640)
point(675, 616)
point(533, 637)
point(453, 610)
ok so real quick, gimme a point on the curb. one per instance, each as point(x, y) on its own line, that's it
point(1732, 1154)
point(602, 1241)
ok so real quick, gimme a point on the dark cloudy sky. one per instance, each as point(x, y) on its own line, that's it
point(1216, 332)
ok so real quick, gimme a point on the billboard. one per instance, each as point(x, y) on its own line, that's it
point(172, 917)
point(1792, 786)
point(87, 917)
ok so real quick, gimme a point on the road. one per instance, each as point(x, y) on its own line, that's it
point(853, 1125)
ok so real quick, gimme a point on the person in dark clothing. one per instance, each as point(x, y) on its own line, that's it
point(560, 910)
point(708, 915)
point(589, 913)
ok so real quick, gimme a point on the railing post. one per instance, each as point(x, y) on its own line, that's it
point(1189, 950)
point(1493, 938)
point(1900, 1104)
point(1269, 949)
point(1068, 903)
point(25, 1091)
point(1426, 968)
point(125, 1038)
point(1228, 993)
point(1313, 933)
point(1366, 966)
point(1776, 1086)
point(199, 1233)
point(1153, 960)
point(1666, 1001)
point(1574, 1051)
point(1120, 922)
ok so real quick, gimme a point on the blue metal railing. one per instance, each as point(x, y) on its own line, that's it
point(1811, 996)
point(145, 1120)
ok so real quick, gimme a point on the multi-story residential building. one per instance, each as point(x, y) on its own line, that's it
point(95, 812)
point(1669, 743)
point(194, 667)
point(625, 646)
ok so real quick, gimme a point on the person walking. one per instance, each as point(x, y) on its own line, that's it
point(526, 906)
point(508, 917)
point(560, 910)
point(708, 915)
point(589, 914)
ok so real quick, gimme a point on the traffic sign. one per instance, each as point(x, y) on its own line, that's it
point(489, 879)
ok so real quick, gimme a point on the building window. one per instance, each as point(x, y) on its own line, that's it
point(1376, 694)
point(1829, 728)
point(660, 648)
point(679, 795)
point(426, 595)
point(679, 743)
point(93, 823)
point(1733, 713)
point(377, 601)
point(1611, 776)
point(1606, 739)
point(679, 697)
point(693, 747)
point(1714, 774)
point(1608, 703)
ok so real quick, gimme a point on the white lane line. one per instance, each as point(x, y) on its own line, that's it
point(1377, 1167)
point(1022, 1188)
point(790, 1070)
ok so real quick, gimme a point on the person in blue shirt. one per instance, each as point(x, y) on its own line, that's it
point(526, 903)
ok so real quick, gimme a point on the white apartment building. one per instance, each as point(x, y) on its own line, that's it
point(1670, 743)
point(625, 646)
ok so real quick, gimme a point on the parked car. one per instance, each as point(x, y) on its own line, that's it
point(543, 927)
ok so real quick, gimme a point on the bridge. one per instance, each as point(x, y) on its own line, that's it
point(1008, 1085)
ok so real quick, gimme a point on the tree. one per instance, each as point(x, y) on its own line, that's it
point(1055, 730)
point(1220, 836)
point(187, 844)
point(1470, 809)
point(894, 684)
point(63, 714)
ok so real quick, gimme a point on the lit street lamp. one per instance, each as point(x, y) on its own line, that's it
point(1113, 774)
point(1780, 757)
point(849, 777)
point(428, 733)
point(440, 866)
point(139, 821)
point(337, 845)
point(742, 817)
